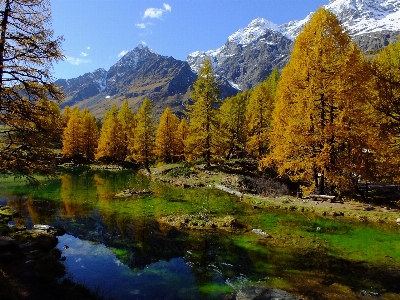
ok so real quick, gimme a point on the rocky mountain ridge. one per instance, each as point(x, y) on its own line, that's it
point(138, 74)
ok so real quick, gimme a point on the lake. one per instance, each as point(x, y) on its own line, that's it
point(121, 248)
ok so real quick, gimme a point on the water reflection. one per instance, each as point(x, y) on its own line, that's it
point(121, 247)
point(164, 279)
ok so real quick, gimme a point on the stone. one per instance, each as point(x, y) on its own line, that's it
point(369, 208)
point(56, 231)
point(398, 221)
point(260, 232)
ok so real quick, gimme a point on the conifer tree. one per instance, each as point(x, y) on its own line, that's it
point(321, 121)
point(182, 135)
point(233, 123)
point(27, 51)
point(80, 136)
point(90, 135)
point(72, 135)
point(111, 147)
point(66, 115)
point(166, 143)
point(386, 101)
point(204, 138)
point(126, 118)
point(259, 112)
point(142, 145)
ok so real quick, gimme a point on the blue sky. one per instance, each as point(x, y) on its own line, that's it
point(98, 32)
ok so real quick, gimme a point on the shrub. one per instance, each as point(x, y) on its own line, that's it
point(264, 186)
point(181, 171)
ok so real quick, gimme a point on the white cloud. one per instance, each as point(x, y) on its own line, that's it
point(167, 7)
point(143, 43)
point(77, 61)
point(84, 54)
point(141, 25)
point(88, 47)
point(153, 13)
point(122, 53)
point(156, 13)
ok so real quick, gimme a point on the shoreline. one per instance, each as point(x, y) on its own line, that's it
point(350, 209)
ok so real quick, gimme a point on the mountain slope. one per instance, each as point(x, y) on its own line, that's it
point(83, 87)
point(138, 74)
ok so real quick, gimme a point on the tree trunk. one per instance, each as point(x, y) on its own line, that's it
point(4, 23)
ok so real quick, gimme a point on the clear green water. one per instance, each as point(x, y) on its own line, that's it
point(120, 248)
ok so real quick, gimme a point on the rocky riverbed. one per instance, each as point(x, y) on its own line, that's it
point(30, 265)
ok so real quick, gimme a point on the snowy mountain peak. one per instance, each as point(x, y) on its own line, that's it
point(365, 16)
point(253, 31)
point(357, 16)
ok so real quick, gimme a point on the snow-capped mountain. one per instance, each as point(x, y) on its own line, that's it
point(139, 73)
point(357, 16)
point(248, 55)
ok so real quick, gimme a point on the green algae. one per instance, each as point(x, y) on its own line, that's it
point(214, 290)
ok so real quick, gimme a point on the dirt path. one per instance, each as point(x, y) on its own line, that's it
point(351, 208)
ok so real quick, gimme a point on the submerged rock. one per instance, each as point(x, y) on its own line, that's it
point(129, 193)
point(263, 293)
point(39, 228)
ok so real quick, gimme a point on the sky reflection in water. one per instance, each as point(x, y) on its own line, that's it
point(97, 266)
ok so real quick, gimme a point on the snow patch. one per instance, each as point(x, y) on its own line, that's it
point(234, 85)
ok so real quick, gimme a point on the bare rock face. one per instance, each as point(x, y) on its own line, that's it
point(249, 55)
point(372, 43)
point(83, 87)
point(263, 293)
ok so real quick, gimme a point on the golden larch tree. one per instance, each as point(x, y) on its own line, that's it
point(72, 134)
point(111, 147)
point(182, 135)
point(204, 138)
point(233, 124)
point(385, 68)
point(90, 135)
point(166, 143)
point(321, 123)
point(142, 145)
point(126, 118)
point(27, 52)
point(258, 115)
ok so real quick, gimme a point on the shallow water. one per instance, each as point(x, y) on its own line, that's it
point(121, 249)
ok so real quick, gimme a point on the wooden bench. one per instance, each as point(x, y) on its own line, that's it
point(322, 197)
